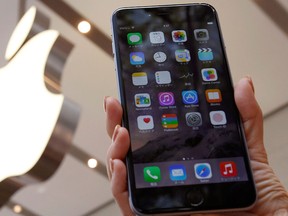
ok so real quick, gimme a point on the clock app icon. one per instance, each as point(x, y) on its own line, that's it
point(160, 57)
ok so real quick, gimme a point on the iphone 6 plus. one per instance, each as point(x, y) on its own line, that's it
point(188, 151)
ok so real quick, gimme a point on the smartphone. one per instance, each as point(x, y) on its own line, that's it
point(188, 151)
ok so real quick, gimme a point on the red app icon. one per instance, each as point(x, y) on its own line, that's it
point(228, 169)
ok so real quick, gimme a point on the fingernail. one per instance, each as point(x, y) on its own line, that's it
point(111, 165)
point(104, 103)
point(251, 83)
point(115, 133)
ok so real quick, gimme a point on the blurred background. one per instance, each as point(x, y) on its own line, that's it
point(256, 38)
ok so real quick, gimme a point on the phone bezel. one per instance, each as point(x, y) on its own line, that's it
point(131, 180)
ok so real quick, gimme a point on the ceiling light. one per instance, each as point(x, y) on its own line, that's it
point(17, 209)
point(84, 27)
point(92, 163)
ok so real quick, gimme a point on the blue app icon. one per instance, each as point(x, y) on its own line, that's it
point(177, 173)
point(205, 54)
point(137, 58)
point(190, 97)
point(203, 171)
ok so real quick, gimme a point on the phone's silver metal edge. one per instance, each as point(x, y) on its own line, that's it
point(120, 99)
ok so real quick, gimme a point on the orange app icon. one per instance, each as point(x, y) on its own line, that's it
point(213, 95)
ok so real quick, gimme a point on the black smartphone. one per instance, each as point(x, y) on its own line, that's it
point(188, 151)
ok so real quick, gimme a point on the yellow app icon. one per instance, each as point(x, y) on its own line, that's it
point(139, 78)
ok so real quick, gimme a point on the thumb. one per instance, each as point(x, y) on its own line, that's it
point(252, 118)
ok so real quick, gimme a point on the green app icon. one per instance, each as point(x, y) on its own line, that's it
point(152, 174)
point(134, 38)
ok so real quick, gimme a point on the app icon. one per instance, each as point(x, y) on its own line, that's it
point(134, 38)
point(190, 97)
point(145, 122)
point(142, 100)
point(156, 37)
point(137, 58)
point(177, 173)
point(163, 77)
point(201, 34)
point(160, 57)
point(182, 55)
point(169, 121)
point(179, 36)
point(187, 76)
point(193, 119)
point(166, 98)
point(139, 78)
point(217, 118)
point(213, 95)
point(203, 170)
point(228, 169)
point(205, 54)
point(152, 174)
point(209, 74)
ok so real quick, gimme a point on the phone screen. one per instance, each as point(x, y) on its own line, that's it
point(178, 101)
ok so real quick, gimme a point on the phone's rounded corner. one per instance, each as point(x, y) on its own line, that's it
point(118, 10)
point(114, 13)
point(210, 6)
point(249, 207)
point(253, 199)
point(134, 209)
point(254, 203)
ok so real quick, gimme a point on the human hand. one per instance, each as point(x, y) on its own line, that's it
point(272, 196)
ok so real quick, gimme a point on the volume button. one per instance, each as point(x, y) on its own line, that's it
point(113, 48)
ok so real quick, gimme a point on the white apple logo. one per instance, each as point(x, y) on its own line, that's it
point(28, 111)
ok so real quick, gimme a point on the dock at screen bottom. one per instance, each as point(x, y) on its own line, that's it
point(190, 172)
